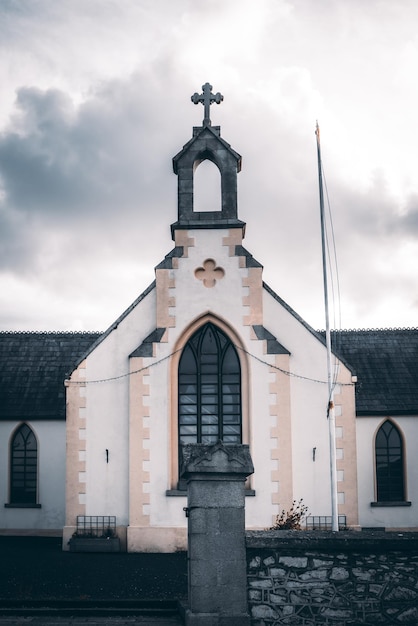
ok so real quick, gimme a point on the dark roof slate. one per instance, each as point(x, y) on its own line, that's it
point(33, 367)
point(385, 362)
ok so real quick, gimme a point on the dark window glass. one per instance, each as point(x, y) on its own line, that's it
point(209, 389)
point(23, 466)
point(389, 464)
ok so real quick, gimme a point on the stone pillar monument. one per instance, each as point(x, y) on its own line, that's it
point(215, 476)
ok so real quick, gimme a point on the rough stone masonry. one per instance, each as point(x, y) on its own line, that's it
point(345, 579)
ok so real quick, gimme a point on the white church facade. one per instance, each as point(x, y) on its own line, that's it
point(209, 352)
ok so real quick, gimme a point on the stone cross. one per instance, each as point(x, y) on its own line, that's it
point(207, 98)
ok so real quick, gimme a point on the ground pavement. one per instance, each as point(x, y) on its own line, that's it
point(90, 621)
point(35, 571)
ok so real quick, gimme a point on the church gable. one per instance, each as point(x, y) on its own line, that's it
point(173, 387)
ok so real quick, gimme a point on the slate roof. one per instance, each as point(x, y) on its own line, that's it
point(385, 362)
point(33, 367)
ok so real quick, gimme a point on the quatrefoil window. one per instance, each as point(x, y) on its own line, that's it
point(209, 273)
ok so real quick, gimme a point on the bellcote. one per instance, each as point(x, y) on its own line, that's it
point(207, 144)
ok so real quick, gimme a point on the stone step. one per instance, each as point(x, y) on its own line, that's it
point(96, 608)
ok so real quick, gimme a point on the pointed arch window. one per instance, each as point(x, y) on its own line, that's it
point(23, 466)
point(389, 456)
point(209, 395)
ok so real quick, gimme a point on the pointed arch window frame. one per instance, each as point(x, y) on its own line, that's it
point(23, 484)
point(245, 394)
point(390, 481)
point(209, 389)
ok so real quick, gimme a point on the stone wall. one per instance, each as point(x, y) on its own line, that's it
point(345, 579)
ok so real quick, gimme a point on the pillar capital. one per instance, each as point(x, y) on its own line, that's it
point(216, 460)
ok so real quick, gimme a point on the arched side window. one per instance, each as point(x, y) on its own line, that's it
point(23, 466)
point(209, 395)
point(389, 464)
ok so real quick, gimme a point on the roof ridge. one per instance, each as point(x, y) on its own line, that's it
point(368, 330)
point(51, 332)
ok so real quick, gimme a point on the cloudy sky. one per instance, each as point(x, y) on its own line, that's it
point(95, 102)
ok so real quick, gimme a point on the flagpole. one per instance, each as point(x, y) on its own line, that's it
point(331, 408)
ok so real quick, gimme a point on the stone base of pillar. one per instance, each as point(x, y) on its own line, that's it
point(214, 619)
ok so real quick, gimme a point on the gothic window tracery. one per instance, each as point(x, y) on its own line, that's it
point(389, 464)
point(23, 466)
point(209, 389)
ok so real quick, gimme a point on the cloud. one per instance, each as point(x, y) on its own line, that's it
point(97, 101)
point(90, 168)
point(55, 157)
point(408, 222)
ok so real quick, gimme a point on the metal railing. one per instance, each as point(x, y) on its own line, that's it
point(324, 522)
point(96, 525)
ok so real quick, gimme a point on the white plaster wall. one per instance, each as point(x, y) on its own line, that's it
point(193, 298)
point(388, 517)
point(259, 509)
point(164, 511)
point(107, 413)
point(309, 399)
point(50, 436)
point(310, 429)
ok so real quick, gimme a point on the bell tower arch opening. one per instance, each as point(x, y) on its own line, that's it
point(207, 186)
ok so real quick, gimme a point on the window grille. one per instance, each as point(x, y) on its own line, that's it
point(209, 389)
point(324, 522)
point(209, 384)
point(96, 525)
point(23, 466)
point(389, 464)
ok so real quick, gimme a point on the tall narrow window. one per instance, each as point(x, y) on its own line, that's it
point(389, 464)
point(209, 389)
point(23, 466)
